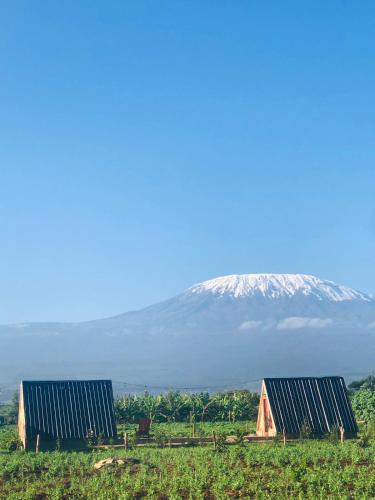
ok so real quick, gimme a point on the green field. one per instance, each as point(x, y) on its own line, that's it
point(306, 469)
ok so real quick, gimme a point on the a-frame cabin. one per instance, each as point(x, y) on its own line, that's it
point(287, 404)
point(69, 411)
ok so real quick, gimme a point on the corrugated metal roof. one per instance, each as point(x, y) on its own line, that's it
point(68, 409)
point(321, 402)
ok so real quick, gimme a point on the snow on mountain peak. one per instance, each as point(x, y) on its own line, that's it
point(276, 286)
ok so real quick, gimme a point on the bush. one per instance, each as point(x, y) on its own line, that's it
point(221, 443)
point(240, 435)
point(367, 435)
point(364, 440)
point(334, 435)
point(91, 439)
point(9, 440)
point(161, 437)
point(305, 430)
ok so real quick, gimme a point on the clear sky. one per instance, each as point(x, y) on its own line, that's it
point(148, 145)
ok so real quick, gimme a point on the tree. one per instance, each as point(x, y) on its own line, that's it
point(176, 407)
point(171, 405)
point(150, 407)
point(365, 383)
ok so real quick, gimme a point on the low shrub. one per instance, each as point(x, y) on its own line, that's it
point(305, 430)
point(161, 437)
point(364, 439)
point(9, 440)
point(334, 435)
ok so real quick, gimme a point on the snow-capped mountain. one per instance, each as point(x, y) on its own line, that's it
point(275, 286)
point(227, 331)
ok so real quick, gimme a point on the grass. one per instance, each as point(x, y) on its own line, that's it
point(201, 429)
point(309, 469)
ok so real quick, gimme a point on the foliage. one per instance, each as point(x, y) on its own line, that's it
point(9, 440)
point(334, 435)
point(13, 411)
point(58, 444)
point(366, 383)
point(240, 438)
point(9, 411)
point(176, 407)
point(161, 436)
point(91, 438)
point(366, 434)
point(305, 430)
point(364, 439)
point(363, 403)
point(220, 446)
point(178, 429)
point(370, 428)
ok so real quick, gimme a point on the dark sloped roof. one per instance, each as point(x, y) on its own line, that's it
point(322, 402)
point(68, 409)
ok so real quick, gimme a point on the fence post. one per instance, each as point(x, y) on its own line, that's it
point(284, 436)
point(37, 444)
point(126, 441)
point(342, 433)
point(214, 438)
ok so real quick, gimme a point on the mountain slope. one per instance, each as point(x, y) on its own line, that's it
point(222, 332)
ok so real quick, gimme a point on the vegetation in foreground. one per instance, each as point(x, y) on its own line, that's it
point(306, 469)
point(302, 469)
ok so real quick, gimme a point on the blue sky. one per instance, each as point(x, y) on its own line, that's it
point(146, 146)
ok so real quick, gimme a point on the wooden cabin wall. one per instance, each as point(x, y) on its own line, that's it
point(21, 418)
point(265, 424)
